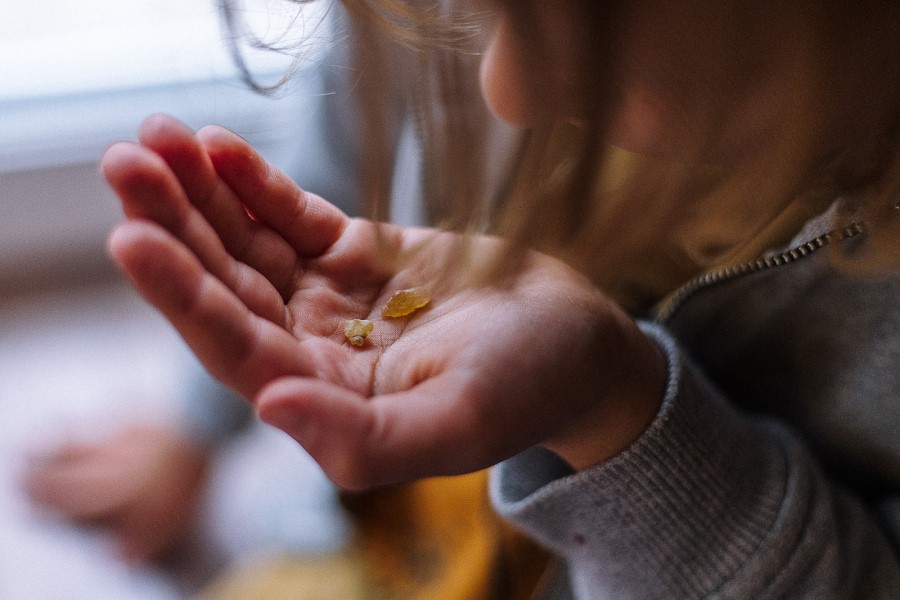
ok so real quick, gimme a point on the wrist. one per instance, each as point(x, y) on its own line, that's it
point(638, 373)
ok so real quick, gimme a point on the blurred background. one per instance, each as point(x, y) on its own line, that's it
point(79, 352)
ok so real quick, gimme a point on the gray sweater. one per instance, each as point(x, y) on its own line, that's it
point(773, 467)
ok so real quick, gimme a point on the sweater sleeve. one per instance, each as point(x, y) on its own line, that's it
point(706, 503)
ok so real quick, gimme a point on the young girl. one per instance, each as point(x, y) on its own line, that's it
point(685, 388)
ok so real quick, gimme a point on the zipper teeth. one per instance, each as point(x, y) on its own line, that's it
point(688, 290)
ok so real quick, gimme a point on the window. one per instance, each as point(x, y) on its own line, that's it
point(80, 72)
point(76, 76)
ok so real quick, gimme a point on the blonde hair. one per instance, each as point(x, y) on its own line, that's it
point(605, 211)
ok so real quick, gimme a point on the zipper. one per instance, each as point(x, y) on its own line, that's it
point(713, 278)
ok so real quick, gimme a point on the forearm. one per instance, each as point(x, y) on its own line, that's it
point(707, 501)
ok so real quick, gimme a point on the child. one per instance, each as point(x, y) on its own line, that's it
point(736, 441)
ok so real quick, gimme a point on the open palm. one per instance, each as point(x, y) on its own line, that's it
point(259, 278)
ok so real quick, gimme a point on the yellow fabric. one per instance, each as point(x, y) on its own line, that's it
point(439, 539)
point(663, 264)
point(339, 577)
point(435, 539)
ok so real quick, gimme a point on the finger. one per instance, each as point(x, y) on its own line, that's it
point(86, 491)
point(149, 190)
point(363, 442)
point(309, 223)
point(144, 543)
point(144, 533)
point(245, 239)
point(237, 346)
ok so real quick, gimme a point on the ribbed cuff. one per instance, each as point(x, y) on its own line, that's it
point(678, 512)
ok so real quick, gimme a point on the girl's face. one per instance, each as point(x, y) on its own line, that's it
point(676, 62)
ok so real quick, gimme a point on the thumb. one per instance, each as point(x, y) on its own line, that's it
point(361, 442)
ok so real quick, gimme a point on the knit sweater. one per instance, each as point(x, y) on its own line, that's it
point(772, 469)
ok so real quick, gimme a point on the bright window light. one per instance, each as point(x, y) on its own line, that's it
point(76, 75)
point(64, 47)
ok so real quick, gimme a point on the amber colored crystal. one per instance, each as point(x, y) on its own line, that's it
point(406, 302)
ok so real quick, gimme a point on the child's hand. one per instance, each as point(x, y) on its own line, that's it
point(476, 376)
point(143, 484)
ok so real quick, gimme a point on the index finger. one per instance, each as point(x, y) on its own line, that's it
point(309, 223)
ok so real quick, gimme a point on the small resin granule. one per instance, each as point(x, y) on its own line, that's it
point(406, 302)
point(357, 331)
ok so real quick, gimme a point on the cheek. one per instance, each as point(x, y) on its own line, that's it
point(513, 96)
point(639, 121)
point(501, 83)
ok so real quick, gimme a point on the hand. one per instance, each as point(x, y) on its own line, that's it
point(478, 375)
point(143, 484)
